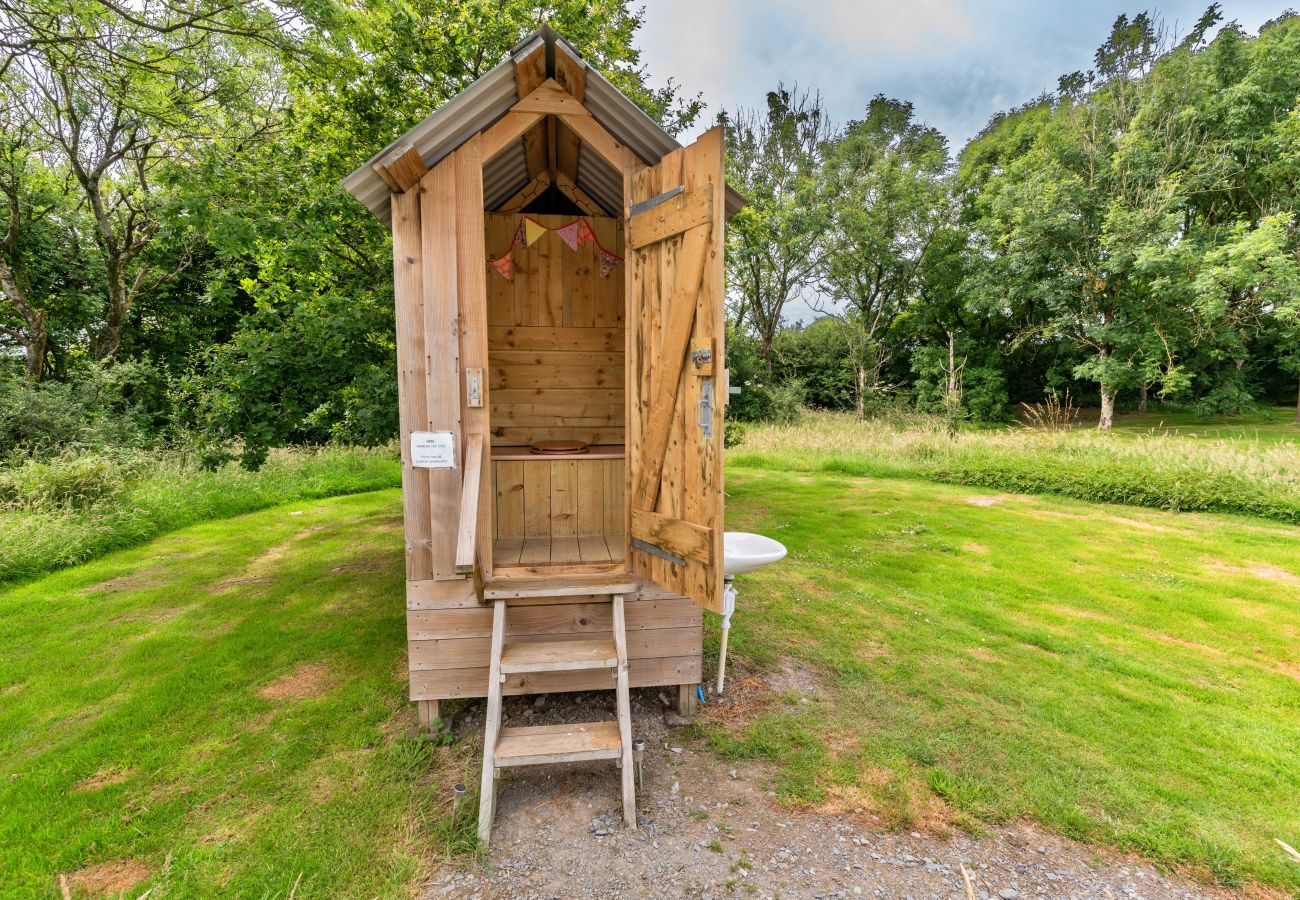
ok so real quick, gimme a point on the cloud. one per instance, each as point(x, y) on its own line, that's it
point(878, 27)
point(957, 61)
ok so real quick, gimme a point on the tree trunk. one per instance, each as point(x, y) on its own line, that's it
point(1142, 398)
point(106, 343)
point(952, 364)
point(1107, 418)
point(35, 347)
point(35, 336)
point(1297, 406)
point(861, 372)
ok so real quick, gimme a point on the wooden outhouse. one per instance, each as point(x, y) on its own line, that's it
point(558, 276)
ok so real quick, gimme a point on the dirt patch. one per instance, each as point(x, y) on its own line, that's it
point(115, 876)
point(227, 583)
point(708, 826)
point(795, 677)
point(105, 777)
point(1077, 613)
point(1273, 573)
point(972, 547)
point(141, 580)
point(368, 566)
point(985, 500)
point(303, 683)
point(1143, 525)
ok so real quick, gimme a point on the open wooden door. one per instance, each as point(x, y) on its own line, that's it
point(676, 391)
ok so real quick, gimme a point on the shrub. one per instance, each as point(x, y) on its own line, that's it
point(120, 404)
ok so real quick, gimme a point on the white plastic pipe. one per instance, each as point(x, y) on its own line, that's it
point(728, 607)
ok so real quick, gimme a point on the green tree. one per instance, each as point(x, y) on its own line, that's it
point(774, 158)
point(887, 199)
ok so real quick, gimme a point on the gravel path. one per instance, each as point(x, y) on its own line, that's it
point(711, 831)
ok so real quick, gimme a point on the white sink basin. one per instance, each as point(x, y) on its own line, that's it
point(744, 552)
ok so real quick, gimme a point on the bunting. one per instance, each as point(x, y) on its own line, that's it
point(505, 266)
point(575, 234)
point(533, 230)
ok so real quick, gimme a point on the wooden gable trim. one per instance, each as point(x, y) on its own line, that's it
point(551, 99)
point(580, 198)
point(506, 131)
point(402, 169)
point(527, 194)
point(595, 136)
point(530, 67)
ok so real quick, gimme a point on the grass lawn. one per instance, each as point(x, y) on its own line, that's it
point(221, 711)
point(1123, 675)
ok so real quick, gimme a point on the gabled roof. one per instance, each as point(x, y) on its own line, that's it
point(490, 98)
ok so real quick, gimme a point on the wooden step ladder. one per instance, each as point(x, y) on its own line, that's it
point(537, 744)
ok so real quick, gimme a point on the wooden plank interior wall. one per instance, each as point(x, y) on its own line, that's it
point(555, 337)
point(448, 634)
point(558, 498)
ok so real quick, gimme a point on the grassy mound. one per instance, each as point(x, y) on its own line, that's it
point(72, 509)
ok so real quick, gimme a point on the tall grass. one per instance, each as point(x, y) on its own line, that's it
point(1238, 476)
point(76, 507)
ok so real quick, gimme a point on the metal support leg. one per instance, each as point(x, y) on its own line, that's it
point(728, 607)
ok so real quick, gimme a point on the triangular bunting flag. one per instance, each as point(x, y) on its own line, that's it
point(519, 235)
point(571, 233)
point(585, 234)
point(505, 266)
point(533, 230)
point(607, 262)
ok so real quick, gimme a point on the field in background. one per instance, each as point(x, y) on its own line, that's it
point(221, 711)
point(76, 507)
point(1274, 425)
point(1137, 465)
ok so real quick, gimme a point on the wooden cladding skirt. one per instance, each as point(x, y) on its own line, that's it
point(558, 497)
point(449, 635)
point(446, 684)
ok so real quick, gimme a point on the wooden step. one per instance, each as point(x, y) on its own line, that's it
point(518, 587)
point(559, 656)
point(534, 744)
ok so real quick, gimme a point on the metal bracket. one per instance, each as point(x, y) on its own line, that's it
point(704, 409)
point(641, 207)
point(655, 551)
point(701, 356)
point(473, 388)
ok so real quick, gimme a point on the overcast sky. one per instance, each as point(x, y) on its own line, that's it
point(957, 61)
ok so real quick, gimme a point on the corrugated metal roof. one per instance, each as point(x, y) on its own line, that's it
point(490, 98)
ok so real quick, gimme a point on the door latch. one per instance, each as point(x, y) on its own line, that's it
point(704, 408)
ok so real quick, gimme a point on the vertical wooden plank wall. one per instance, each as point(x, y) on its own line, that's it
point(555, 337)
point(533, 498)
point(471, 278)
point(438, 215)
point(408, 294)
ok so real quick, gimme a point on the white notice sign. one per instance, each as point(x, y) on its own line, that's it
point(433, 449)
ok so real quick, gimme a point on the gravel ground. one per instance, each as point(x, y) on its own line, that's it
point(711, 830)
